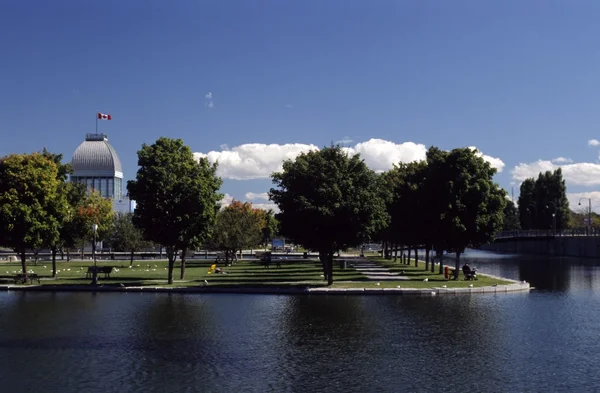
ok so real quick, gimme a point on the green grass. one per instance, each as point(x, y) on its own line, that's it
point(244, 274)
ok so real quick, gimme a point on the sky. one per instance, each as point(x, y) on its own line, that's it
point(251, 83)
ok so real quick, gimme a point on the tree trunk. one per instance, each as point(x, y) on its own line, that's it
point(68, 255)
point(416, 257)
point(329, 269)
point(62, 254)
point(82, 246)
point(171, 256)
point(426, 258)
point(432, 264)
point(456, 265)
point(131, 258)
point(35, 257)
point(408, 257)
point(23, 263)
point(323, 264)
point(182, 274)
point(54, 263)
point(395, 253)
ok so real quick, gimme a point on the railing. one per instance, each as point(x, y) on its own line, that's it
point(548, 233)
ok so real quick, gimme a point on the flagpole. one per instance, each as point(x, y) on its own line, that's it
point(96, 122)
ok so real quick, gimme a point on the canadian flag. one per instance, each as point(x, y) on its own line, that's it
point(102, 116)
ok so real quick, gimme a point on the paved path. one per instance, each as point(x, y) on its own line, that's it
point(374, 271)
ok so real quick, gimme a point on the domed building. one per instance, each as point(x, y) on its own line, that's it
point(97, 165)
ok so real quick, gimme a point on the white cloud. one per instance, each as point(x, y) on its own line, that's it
point(288, 106)
point(209, 100)
point(494, 161)
point(252, 196)
point(259, 161)
point(562, 160)
point(593, 142)
point(254, 160)
point(575, 197)
point(227, 199)
point(579, 174)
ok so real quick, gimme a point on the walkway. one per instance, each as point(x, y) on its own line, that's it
point(374, 271)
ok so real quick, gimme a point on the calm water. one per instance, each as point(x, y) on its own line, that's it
point(546, 340)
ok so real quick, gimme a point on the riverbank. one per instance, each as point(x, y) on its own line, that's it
point(284, 276)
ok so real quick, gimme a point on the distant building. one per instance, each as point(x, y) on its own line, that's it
point(97, 165)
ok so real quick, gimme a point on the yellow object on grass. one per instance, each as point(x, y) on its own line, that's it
point(212, 268)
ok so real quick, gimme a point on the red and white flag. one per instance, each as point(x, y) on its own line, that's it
point(102, 116)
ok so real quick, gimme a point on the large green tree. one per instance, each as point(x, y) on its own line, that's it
point(177, 197)
point(473, 203)
point(510, 220)
point(29, 188)
point(328, 201)
point(543, 202)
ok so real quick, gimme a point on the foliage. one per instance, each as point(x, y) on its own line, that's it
point(177, 196)
point(238, 227)
point(542, 198)
point(93, 209)
point(473, 203)
point(510, 219)
point(328, 201)
point(124, 236)
point(28, 192)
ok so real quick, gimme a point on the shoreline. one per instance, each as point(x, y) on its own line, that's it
point(515, 286)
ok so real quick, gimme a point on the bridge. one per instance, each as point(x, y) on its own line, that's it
point(575, 242)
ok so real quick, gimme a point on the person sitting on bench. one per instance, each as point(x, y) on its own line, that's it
point(469, 273)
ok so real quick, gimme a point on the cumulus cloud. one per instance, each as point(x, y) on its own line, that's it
point(259, 161)
point(227, 199)
point(578, 174)
point(593, 142)
point(252, 196)
point(209, 99)
point(494, 161)
point(254, 160)
point(562, 160)
point(575, 197)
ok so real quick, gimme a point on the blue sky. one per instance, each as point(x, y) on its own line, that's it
point(517, 79)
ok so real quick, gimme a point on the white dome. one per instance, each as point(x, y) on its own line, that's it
point(96, 157)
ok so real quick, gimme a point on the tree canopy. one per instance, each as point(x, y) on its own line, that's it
point(543, 202)
point(29, 188)
point(177, 196)
point(328, 201)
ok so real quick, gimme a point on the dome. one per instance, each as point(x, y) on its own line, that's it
point(96, 157)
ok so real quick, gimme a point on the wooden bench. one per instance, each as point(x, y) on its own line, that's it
point(24, 279)
point(106, 270)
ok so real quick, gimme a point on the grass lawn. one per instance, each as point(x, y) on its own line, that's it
point(244, 274)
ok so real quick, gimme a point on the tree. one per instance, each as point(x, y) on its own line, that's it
point(328, 201)
point(177, 197)
point(124, 236)
point(28, 189)
point(270, 228)
point(473, 203)
point(543, 202)
point(59, 208)
point(238, 226)
point(510, 219)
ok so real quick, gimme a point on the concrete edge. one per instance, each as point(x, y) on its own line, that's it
point(515, 287)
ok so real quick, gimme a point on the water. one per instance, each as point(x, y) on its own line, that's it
point(545, 340)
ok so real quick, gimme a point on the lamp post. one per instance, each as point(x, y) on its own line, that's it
point(95, 272)
point(589, 225)
point(553, 215)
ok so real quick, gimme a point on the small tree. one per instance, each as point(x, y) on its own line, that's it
point(238, 226)
point(124, 236)
point(176, 195)
point(328, 201)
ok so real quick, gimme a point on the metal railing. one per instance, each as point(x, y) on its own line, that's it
point(548, 233)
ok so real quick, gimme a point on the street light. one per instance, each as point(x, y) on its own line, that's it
point(95, 272)
point(589, 211)
point(553, 215)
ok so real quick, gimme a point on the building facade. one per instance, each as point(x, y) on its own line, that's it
point(97, 165)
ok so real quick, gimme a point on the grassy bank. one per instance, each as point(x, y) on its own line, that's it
point(243, 274)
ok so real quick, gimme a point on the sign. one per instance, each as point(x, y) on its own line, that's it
point(278, 242)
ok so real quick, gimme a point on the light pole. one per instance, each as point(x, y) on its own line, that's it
point(95, 272)
point(589, 212)
point(553, 215)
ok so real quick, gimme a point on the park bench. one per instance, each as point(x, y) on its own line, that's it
point(23, 279)
point(106, 270)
